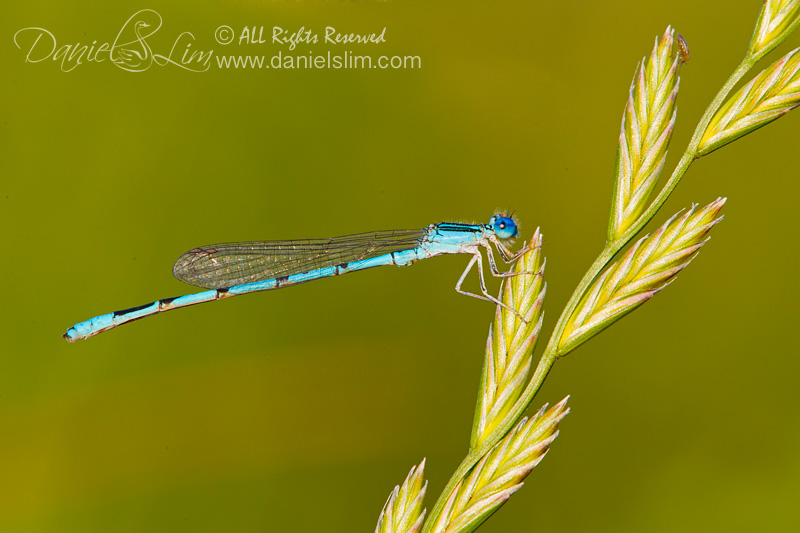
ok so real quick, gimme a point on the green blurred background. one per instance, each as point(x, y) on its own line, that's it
point(300, 409)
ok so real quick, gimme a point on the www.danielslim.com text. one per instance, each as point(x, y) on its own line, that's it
point(346, 60)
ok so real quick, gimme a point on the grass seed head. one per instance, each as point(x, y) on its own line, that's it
point(768, 96)
point(777, 19)
point(403, 512)
point(647, 124)
point(511, 341)
point(648, 266)
point(500, 472)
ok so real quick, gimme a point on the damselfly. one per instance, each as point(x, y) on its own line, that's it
point(238, 268)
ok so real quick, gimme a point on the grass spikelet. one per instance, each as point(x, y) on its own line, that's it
point(500, 472)
point(777, 19)
point(769, 96)
point(617, 282)
point(511, 342)
point(649, 266)
point(647, 124)
point(403, 512)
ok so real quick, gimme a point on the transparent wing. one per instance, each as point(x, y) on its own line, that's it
point(219, 266)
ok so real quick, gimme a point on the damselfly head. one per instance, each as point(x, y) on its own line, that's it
point(504, 226)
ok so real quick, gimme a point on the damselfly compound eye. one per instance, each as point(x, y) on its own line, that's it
point(504, 227)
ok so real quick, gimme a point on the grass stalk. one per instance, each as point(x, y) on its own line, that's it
point(635, 177)
point(609, 251)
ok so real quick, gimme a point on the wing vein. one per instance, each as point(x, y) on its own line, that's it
point(225, 265)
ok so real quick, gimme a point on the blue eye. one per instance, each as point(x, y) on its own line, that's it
point(504, 227)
